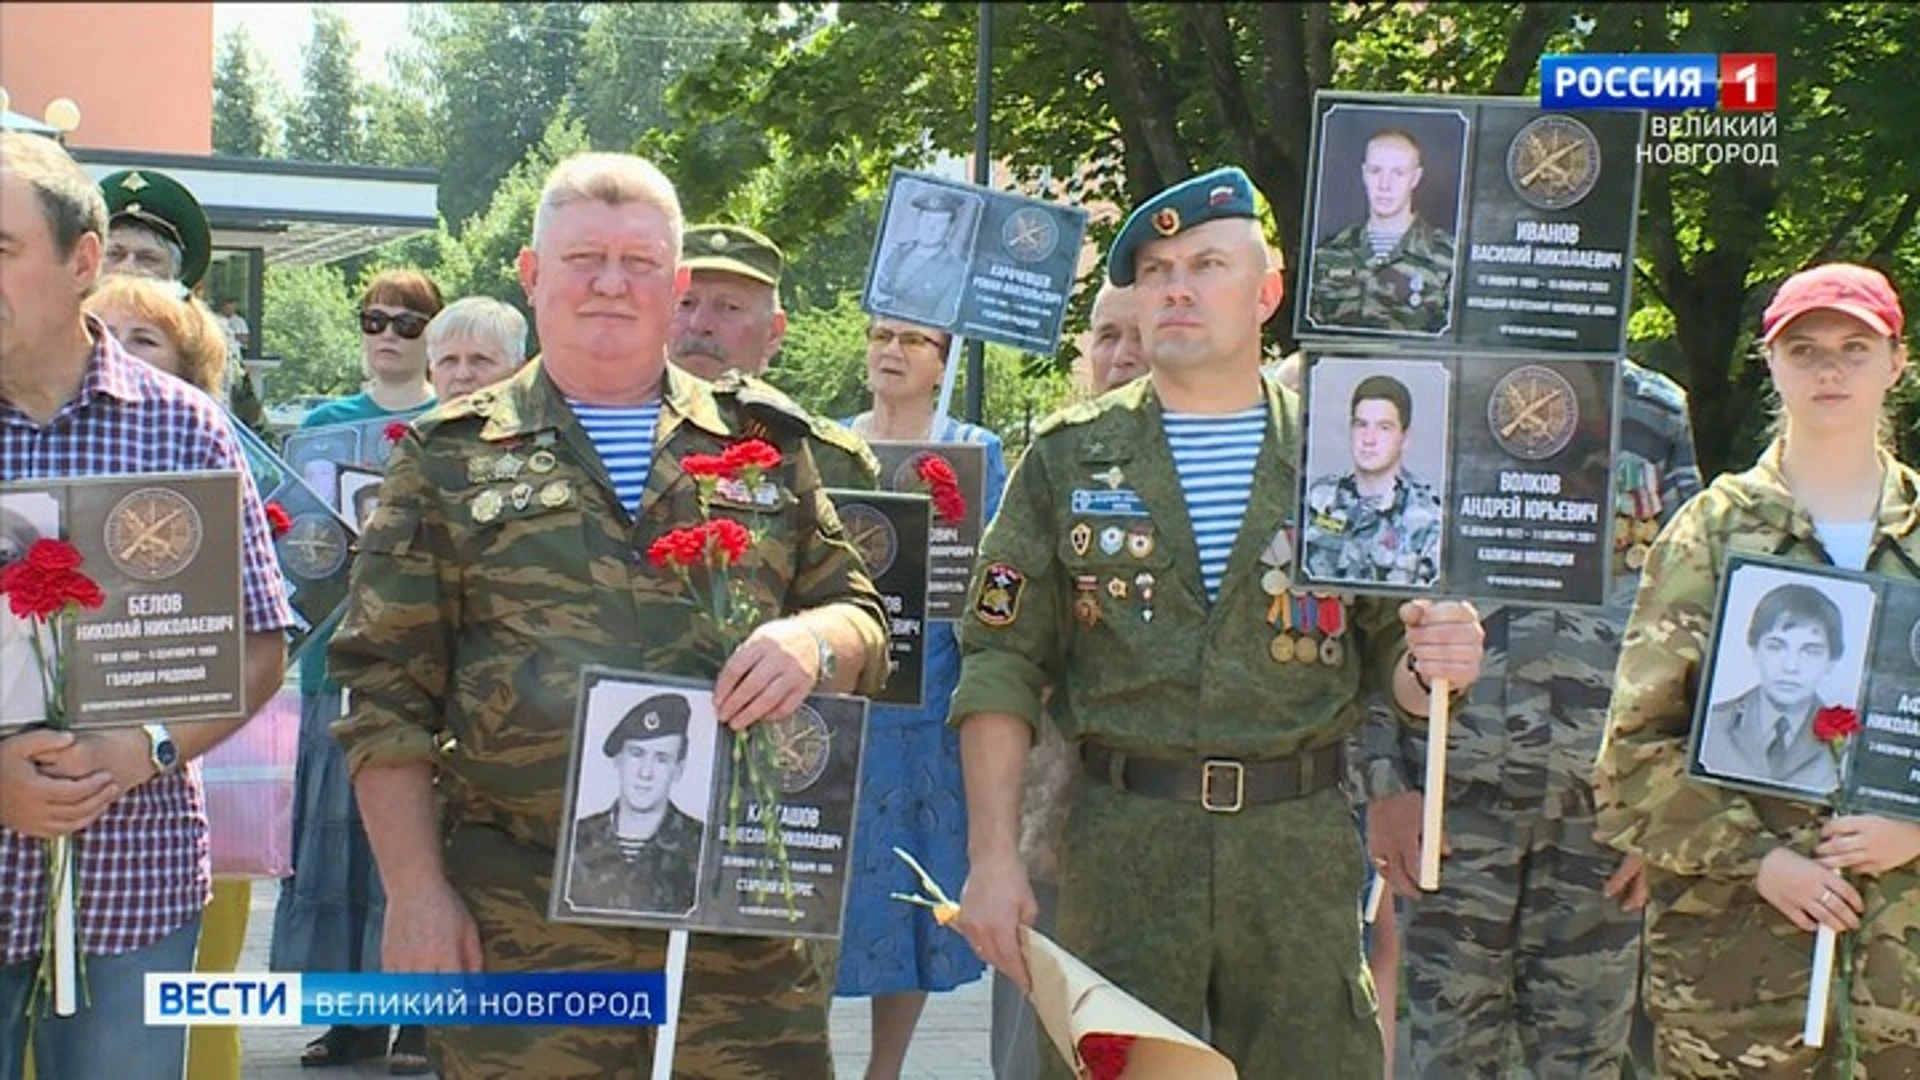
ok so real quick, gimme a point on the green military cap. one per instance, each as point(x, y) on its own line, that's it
point(159, 202)
point(733, 249)
point(657, 717)
point(1222, 193)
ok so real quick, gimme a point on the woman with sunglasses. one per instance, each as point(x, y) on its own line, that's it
point(330, 910)
point(910, 787)
point(1740, 882)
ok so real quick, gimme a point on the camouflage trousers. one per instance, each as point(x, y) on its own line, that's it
point(750, 1007)
point(1520, 943)
point(1251, 919)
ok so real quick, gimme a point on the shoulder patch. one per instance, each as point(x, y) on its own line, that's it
point(762, 401)
point(480, 403)
point(1078, 413)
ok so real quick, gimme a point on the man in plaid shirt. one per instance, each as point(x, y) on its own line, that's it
point(72, 403)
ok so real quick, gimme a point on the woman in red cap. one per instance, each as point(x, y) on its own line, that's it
point(1740, 882)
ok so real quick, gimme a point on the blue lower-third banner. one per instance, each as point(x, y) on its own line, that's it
point(246, 999)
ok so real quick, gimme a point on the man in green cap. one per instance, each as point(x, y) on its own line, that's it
point(640, 854)
point(729, 323)
point(921, 277)
point(156, 228)
point(1140, 568)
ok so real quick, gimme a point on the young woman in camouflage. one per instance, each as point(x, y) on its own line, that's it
point(1740, 882)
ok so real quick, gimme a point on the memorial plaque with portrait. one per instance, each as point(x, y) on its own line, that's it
point(953, 543)
point(313, 550)
point(167, 646)
point(645, 835)
point(1793, 643)
point(975, 262)
point(1471, 477)
point(1475, 223)
point(319, 454)
point(891, 531)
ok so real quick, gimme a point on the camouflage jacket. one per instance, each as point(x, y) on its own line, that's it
point(1712, 941)
point(1350, 538)
point(1122, 630)
point(500, 561)
point(1530, 728)
point(1408, 289)
point(659, 877)
point(844, 459)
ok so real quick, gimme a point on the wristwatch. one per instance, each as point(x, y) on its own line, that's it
point(160, 749)
point(829, 660)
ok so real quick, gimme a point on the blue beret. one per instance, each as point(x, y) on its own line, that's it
point(1222, 193)
point(657, 717)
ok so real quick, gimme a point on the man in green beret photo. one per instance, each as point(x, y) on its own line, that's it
point(641, 855)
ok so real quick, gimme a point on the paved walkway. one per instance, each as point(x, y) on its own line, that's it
point(950, 1043)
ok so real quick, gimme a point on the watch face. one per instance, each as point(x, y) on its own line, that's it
point(872, 535)
point(1533, 412)
point(153, 534)
point(314, 547)
point(1553, 162)
point(801, 745)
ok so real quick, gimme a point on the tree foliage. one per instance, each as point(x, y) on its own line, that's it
point(243, 120)
point(328, 124)
point(1106, 103)
point(309, 324)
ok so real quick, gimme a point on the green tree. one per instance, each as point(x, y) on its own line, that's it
point(309, 324)
point(402, 125)
point(243, 121)
point(1108, 103)
point(329, 122)
point(634, 53)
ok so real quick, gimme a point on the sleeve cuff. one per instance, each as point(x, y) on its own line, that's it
point(376, 740)
point(995, 682)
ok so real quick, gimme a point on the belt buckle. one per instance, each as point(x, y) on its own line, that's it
point(1212, 768)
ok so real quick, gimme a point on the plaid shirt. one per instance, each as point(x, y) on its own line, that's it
point(143, 865)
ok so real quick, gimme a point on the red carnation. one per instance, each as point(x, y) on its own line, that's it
point(278, 520)
point(1105, 1055)
point(396, 431)
point(713, 465)
point(752, 454)
point(732, 539)
point(44, 583)
point(935, 471)
point(1835, 724)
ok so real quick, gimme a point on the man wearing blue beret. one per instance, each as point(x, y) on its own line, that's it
point(1141, 567)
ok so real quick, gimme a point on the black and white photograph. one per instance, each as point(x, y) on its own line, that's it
point(651, 834)
point(642, 787)
point(359, 495)
point(926, 246)
point(1373, 511)
point(1787, 644)
point(1389, 200)
point(25, 516)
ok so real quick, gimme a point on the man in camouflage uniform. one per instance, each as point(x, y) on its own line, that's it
point(729, 324)
point(1534, 932)
point(507, 552)
point(921, 277)
point(1210, 864)
point(641, 853)
point(1393, 271)
point(1378, 524)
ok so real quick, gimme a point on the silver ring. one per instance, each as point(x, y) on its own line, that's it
point(1825, 896)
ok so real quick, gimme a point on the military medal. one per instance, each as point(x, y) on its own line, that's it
point(1086, 605)
point(479, 469)
point(556, 494)
point(1281, 614)
point(1140, 540)
point(1281, 649)
point(1274, 582)
point(1112, 538)
point(507, 466)
point(542, 461)
point(1144, 582)
point(1637, 556)
point(1112, 477)
point(1307, 649)
point(1081, 537)
point(521, 495)
point(1333, 617)
point(1117, 588)
point(487, 505)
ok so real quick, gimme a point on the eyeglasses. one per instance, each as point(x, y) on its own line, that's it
point(408, 324)
point(880, 337)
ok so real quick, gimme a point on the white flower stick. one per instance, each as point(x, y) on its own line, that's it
point(1814, 1033)
point(1433, 804)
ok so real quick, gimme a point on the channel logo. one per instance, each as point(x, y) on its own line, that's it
point(1729, 82)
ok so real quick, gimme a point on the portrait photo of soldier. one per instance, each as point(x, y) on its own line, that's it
point(1788, 646)
point(634, 844)
point(25, 516)
point(1386, 213)
point(925, 246)
point(1369, 518)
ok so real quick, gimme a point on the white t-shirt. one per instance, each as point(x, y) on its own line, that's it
point(1847, 542)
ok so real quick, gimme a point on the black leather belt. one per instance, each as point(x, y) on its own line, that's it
point(1221, 785)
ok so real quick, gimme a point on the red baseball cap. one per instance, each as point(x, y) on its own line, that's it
point(1859, 291)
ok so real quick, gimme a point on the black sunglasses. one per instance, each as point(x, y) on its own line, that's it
point(408, 324)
